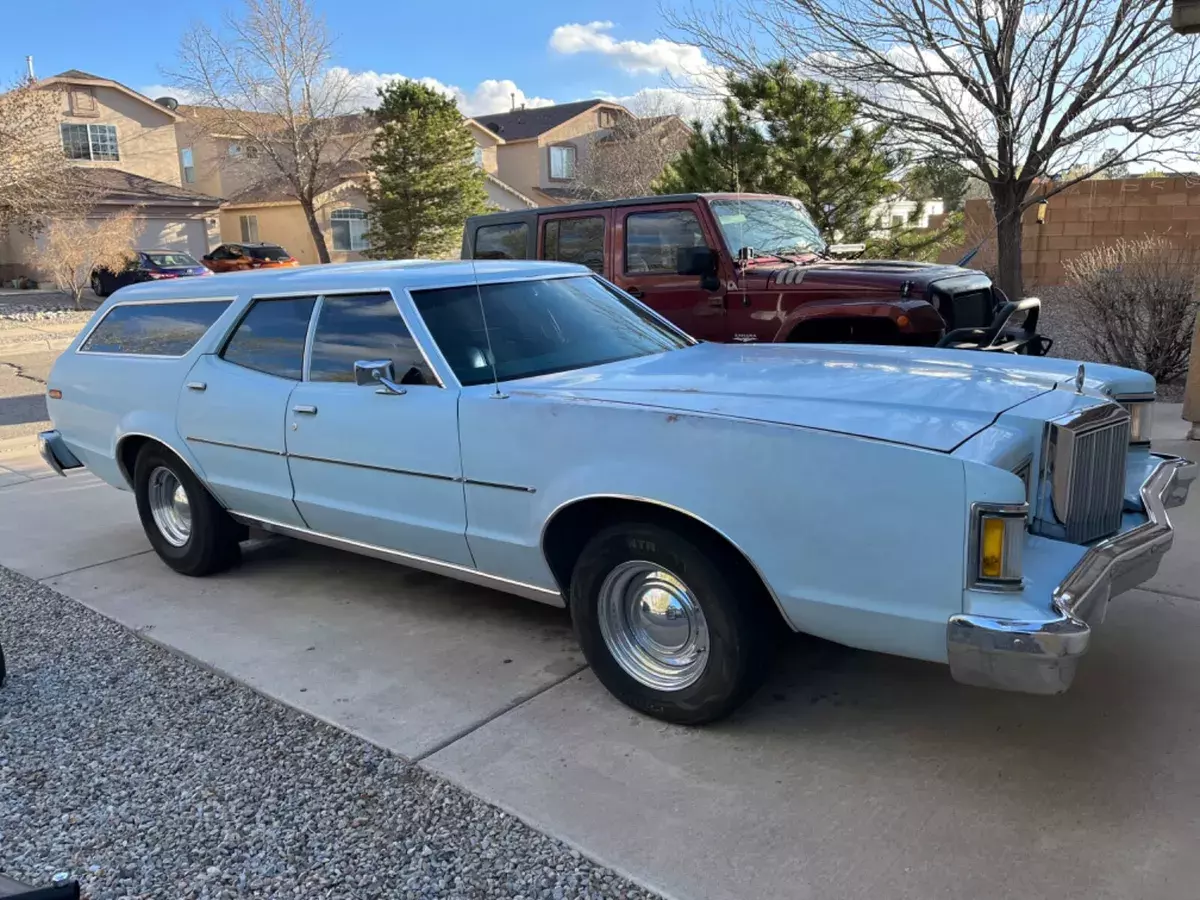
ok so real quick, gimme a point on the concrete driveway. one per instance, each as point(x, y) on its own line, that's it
point(851, 775)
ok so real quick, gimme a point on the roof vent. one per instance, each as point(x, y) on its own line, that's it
point(493, 126)
point(169, 102)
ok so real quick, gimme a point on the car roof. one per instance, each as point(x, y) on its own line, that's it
point(394, 275)
point(652, 200)
point(161, 250)
point(251, 244)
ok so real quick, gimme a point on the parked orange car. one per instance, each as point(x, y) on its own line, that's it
point(242, 257)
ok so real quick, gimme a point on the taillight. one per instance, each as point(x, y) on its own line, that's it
point(255, 263)
point(160, 275)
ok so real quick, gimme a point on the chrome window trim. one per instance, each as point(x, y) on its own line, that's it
point(87, 333)
point(979, 509)
point(425, 563)
point(417, 338)
point(310, 336)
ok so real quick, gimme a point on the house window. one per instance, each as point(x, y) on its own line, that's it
point(349, 228)
point(189, 165)
point(235, 151)
point(606, 118)
point(897, 221)
point(479, 157)
point(94, 142)
point(251, 151)
point(249, 229)
point(562, 162)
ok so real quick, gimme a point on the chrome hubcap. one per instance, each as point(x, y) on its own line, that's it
point(170, 507)
point(653, 625)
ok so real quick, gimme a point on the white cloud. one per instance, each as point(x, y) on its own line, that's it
point(154, 91)
point(658, 57)
point(490, 96)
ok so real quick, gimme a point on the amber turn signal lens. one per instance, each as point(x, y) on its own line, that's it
point(902, 321)
point(55, 394)
point(991, 551)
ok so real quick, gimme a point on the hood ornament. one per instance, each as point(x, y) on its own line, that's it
point(1079, 377)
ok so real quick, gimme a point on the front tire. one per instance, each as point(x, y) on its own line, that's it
point(188, 529)
point(670, 621)
point(98, 286)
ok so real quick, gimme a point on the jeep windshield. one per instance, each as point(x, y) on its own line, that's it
point(768, 227)
point(541, 326)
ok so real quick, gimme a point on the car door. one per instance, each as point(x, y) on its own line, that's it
point(571, 237)
point(368, 464)
point(232, 409)
point(648, 242)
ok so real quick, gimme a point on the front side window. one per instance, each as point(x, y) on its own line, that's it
point(509, 241)
point(575, 240)
point(349, 227)
point(270, 337)
point(653, 240)
point(154, 329)
point(562, 162)
point(539, 327)
point(364, 327)
point(188, 162)
point(94, 142)
point(774, 226)
point(249, 228)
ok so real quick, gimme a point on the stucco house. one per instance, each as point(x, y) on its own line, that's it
point(124, 145)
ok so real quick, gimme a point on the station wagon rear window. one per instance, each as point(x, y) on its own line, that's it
point(154, 329)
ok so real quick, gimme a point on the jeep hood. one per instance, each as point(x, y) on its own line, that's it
point(918, 397)
point(860, 276)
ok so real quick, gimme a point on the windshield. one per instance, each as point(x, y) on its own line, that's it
point(539, 327)
point(767, 226)
point(170, 260)
point(271, 253)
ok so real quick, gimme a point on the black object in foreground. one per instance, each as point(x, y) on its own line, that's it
point(14, 890)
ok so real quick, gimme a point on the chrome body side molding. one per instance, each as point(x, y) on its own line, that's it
point(435, 566)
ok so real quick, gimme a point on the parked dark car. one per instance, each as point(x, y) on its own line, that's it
point(243, 257)
point(147, 265)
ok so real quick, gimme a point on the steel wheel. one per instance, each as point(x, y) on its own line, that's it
point(653, 625)
point(169, 506)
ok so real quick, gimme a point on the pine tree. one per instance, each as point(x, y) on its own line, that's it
point(784, 135)
point(424, 181)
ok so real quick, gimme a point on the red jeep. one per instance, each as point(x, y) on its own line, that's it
point(753, 267)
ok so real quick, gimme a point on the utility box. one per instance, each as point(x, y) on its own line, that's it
point(1185, 16)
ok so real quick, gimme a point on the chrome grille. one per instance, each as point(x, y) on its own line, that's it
point(1084, 472)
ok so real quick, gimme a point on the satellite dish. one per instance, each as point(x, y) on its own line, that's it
point(169, 102)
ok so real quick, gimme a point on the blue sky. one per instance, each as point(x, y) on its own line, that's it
point(615, 47)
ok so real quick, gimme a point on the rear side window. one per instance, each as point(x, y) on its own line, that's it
point(364, 327)
point(575, 240)
point(272, 253)
point(154, 329)
point(509, 241)
point(653, 240)
point(270, 338)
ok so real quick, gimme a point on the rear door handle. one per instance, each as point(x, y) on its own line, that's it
point(305, 410)
point(197, 386)
point(634, 292)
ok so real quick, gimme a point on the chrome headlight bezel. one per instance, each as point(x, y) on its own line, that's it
point(1141, 417)
point(1013, 518)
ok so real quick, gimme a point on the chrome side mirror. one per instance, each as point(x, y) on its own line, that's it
point(377, 371)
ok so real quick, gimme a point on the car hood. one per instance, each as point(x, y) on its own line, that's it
point(921, 398)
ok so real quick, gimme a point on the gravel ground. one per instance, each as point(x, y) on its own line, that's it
point(29, 308)
point(147, 776)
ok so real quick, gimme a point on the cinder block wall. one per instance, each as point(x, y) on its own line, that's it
point(1087, 215)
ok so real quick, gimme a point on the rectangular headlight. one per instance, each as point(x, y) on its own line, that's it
point(998, 539)
point(1141, 419)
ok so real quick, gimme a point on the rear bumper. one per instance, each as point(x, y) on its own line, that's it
point(54, 451)
point(1040, 657)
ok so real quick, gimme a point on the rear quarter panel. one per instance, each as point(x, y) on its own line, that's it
point(861, 542)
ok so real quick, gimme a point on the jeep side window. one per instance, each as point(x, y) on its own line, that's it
point(578, 240)
point(510, 241)
point(653, 240)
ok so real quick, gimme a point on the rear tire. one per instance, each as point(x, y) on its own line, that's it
point(98, 286)
point(188, 529)
point(670, 622)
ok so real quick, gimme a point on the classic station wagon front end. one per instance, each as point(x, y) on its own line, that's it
point(531, 428)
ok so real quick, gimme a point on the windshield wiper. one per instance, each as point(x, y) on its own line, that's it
point(748, 253)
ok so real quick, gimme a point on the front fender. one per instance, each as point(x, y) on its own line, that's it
point(911, 317)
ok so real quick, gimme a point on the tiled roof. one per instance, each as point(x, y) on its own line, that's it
point(79, 73)
point(275, 189)
point(116, 186)
point(528, 123)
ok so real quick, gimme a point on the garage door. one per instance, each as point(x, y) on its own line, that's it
point(174, 234)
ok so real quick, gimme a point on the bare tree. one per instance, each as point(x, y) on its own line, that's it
point(74, 246)
point(35, 176)
point(626, 160)
point(266, 77)
point(1012, 91)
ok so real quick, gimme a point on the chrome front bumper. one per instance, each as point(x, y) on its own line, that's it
point(54, 451)
point(1040, 657)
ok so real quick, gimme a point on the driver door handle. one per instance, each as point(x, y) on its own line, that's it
point(634, 291)
point(305, 410)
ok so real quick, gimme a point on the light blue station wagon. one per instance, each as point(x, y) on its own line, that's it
point(529, 427)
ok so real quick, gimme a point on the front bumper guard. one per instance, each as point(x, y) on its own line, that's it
point(55, 452)
point(1041, 657)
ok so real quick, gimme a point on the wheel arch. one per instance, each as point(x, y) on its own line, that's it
point(130, 444)
point(572, 523)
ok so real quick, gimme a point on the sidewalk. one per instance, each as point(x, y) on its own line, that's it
point(40, 334)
